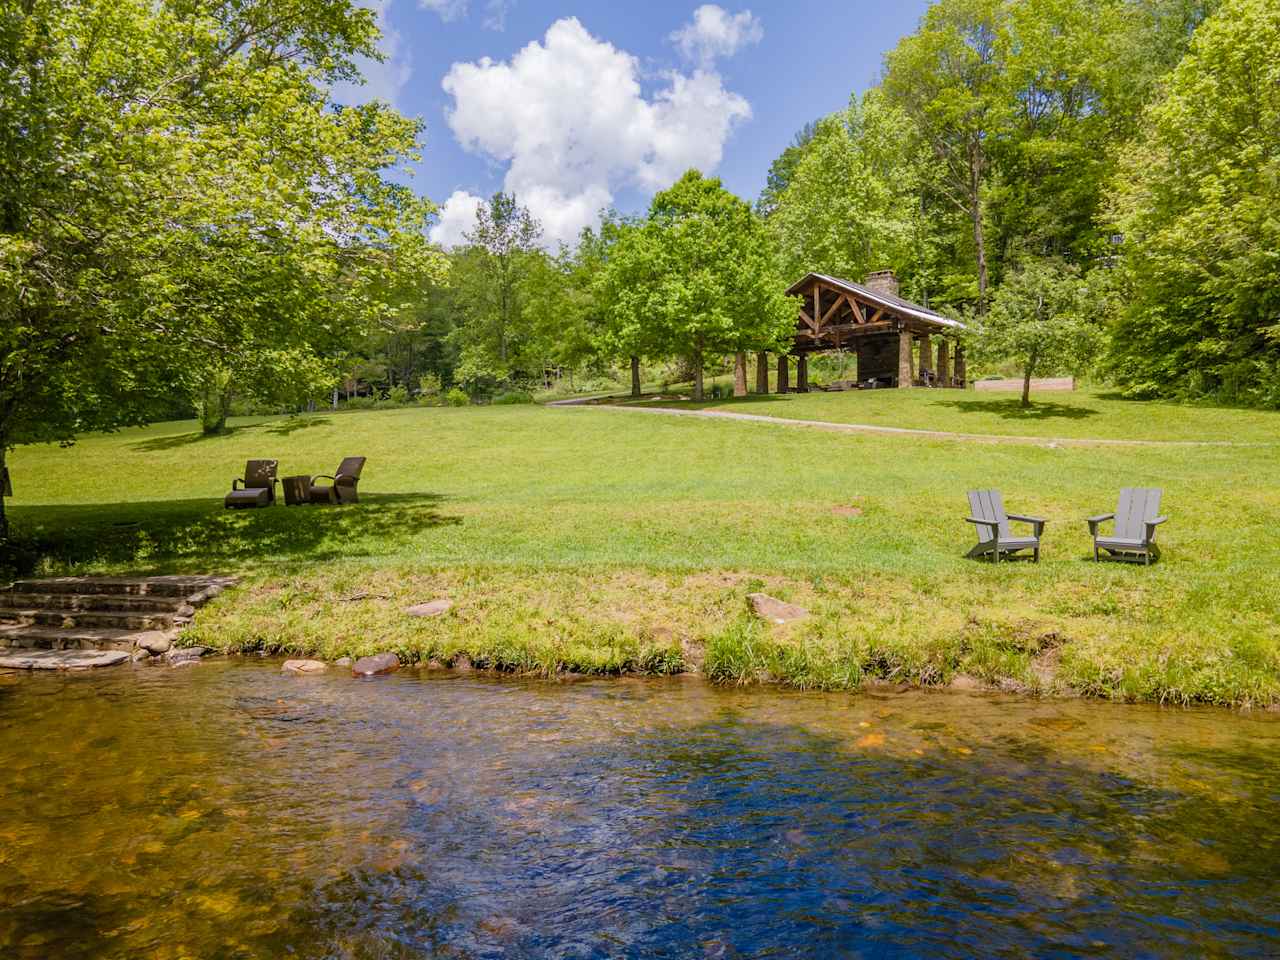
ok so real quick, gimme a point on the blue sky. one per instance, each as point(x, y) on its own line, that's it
point(574, 106)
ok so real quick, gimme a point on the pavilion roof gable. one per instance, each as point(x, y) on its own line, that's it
point(892, 304)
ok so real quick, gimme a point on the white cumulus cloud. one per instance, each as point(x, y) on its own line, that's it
point(457, 217)
point(715, 32)
point(569, 117)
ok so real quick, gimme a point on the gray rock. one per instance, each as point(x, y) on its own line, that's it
point(63, 659)
point(775, 610)
point(343, 662)
point(435, 608)
point(141, 654)
point(376, 665)
point(155, 643)
point(304, 666)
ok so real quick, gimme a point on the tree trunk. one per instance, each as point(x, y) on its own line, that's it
point(762, 373)
point(4, 517)
point(697, 372)
point(1026, 385)
point(740, 374)
point(335, 398)
point(635, 376)
point(975, 212)
point(215, 404)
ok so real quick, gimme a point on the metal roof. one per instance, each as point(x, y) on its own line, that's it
point(888, 301)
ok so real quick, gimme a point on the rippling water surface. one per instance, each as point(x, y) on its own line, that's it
point(226, 811)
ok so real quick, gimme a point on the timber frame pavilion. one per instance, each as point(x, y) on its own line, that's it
point(898, 343)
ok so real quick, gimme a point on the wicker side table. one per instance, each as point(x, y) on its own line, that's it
point(297, 490)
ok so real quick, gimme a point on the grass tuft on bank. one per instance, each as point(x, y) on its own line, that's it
point(596, 541)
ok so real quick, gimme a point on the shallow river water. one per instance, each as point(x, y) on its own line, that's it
point(227, 811)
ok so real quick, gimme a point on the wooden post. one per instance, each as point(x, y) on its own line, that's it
point(960, 371)
point(926, 359)
point(784, 377)
point(904, 359)
point(802, 373)
point(762, 372)
point(740, 374)
point(944, 364)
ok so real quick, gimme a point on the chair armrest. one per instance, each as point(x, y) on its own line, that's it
point(1151, 528)
point(346, 476)
point(236, 484)
point(1157, 521)
point(322, 476)
point(1037, 523)
point(1101, 517)
point(989, 523)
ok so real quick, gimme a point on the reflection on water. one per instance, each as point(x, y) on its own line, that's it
point(226, 811)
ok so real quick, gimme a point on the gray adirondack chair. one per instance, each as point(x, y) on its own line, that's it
point(995, 539)
point(257, 489)
point(1136, 518)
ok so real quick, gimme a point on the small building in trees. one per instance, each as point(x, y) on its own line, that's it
point(898, 343)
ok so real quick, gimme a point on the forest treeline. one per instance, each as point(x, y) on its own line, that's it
point(1098, 177)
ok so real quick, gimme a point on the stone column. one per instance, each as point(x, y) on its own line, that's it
point(926, 358)
point(944, 363)
point(762, 372)
point(960, 371)
point(904, 360)
point(784, 374)
point(802, 373)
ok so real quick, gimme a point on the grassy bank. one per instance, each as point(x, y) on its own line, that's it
point(598, 541)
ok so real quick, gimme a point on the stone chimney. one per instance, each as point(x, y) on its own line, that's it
point(884, 282)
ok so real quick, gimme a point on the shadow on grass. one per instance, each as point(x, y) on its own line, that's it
point(180, 536)
point(279, 428)
point(1012, 409)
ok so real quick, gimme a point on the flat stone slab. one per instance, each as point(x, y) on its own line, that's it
point(304, 666)
point(435, 608)
point(63, 659)
point(775, 610)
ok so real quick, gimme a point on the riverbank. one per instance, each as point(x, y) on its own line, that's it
point(593, 542)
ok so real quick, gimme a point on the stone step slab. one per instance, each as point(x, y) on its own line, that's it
point(190, 587)
point(86, 618)
point(62, 659)
point(97, 602)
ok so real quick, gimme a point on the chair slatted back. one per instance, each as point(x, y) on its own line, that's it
point(1137, 506)
point(260, 473)
point(989, 505)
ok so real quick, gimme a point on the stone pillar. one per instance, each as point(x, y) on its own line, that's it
point(740, 374)
point(802, 373)
point(944, 364)
point(762, 372)
point(926, 358)
point(960, 371)
point(784, 374)
point(904, 359)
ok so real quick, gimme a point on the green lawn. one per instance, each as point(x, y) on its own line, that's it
point(1093, 414)
point(601, 540)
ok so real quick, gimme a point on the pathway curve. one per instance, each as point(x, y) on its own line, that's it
point(905, 431)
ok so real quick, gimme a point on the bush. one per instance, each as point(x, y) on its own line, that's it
point(398, 395)
point(361, 403)
point(456, 398)
point(513, 397)
point(429, 388)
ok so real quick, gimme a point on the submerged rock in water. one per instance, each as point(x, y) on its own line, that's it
point(775, 610)
point(180, 654)
point(304, 666)
point(435, 608)
point(376, 665)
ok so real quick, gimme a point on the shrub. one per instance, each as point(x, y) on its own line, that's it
point(512, 397)
point(456, 398)
point(361, 403)
point(429, 388)
point(398, 395)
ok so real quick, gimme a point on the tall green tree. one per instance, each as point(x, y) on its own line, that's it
point(1196, 198)
point(142, 142)
point(698, 278)
point(1044, 318)
point(492, 271)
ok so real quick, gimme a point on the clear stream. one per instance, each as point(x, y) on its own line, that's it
point(227, 811)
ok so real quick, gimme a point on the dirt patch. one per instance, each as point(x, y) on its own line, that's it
point(843, 510)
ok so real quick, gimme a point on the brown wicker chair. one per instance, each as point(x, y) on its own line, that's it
point(257, 489)
point(345, 483)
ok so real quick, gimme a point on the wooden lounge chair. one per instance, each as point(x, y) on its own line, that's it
point(994, 537)
point(345, 483)
point(257, 489)
point(1136, 519)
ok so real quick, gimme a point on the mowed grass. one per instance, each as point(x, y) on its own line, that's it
point(607, 541)
point(1081, 414)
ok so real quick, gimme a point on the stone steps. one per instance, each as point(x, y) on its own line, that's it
point(101, 613)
